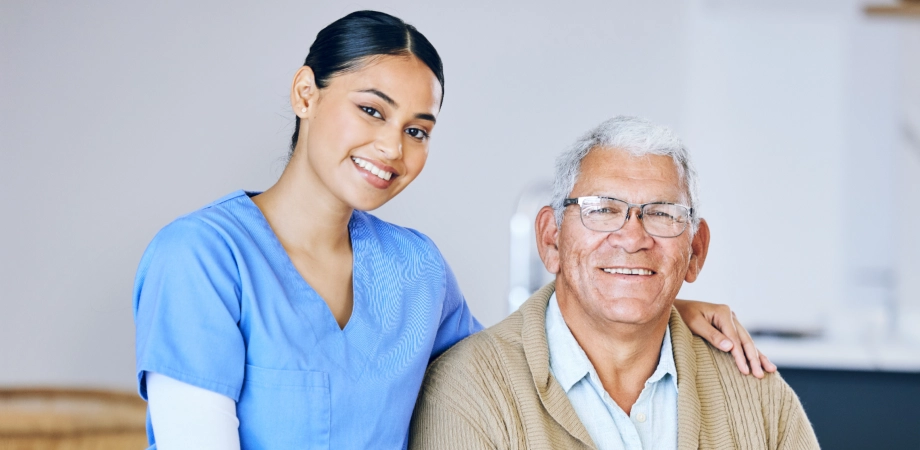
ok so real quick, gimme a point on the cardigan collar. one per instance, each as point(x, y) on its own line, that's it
point(554, 398)
point(536, 350)
point(688, 400)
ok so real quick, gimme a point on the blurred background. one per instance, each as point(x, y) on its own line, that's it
point(803, 118)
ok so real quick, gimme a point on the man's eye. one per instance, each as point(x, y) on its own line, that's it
point(371, 112)
point(661, 216)
point(600, 211)
point(417, 133)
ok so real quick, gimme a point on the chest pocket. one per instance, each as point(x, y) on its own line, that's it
point(284, 409)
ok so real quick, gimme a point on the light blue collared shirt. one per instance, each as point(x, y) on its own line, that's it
point(652, 423)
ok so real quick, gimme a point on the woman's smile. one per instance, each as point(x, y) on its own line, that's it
point(376, 173)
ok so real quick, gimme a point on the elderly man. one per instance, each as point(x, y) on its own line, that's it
point(600, 358)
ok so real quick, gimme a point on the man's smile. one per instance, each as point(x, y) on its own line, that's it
point(629, 271)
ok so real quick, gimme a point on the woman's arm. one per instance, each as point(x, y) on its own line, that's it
point(718, 325)
point(189, 417)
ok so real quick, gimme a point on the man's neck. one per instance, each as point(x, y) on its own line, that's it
point(624, 355)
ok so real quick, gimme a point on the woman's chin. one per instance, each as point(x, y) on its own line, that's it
point(369, 200)
point(369, 204)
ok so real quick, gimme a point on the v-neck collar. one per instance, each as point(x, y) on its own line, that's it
point(347, 346)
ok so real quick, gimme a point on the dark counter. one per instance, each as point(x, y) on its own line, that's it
point(860, 409)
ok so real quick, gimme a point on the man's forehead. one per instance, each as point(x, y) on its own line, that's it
point(612, 171)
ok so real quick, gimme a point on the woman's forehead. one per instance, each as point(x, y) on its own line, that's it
point(403, 78)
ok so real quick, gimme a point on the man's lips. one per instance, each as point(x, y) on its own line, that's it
point(638, 271)
point(381, 171)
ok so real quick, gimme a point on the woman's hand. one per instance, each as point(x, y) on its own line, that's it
point(718, 325)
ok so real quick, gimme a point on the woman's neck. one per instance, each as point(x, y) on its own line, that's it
point(304, 214)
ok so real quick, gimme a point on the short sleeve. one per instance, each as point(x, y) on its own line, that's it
point(457, 322)
point(187, 309)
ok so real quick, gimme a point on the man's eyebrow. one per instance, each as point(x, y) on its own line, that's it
point(383, 96)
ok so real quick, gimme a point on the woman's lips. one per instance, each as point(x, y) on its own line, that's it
point(377, 176)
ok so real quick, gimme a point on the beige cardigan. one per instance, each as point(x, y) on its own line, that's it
point(494, 390)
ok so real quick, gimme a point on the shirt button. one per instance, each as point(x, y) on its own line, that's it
point(640, 417)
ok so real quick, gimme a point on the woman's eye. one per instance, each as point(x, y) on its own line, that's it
point(371, 112)
point(417, 133)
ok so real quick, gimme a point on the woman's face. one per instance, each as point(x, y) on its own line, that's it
point(365, 135)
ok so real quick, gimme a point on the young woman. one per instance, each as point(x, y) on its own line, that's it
point(292, 318)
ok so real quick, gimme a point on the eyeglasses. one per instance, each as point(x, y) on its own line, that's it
point(609, 214)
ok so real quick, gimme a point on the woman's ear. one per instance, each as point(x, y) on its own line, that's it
point(699, 248)
point(547, 234)
point(304, 92)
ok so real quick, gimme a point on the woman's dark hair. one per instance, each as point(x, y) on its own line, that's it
point(343, 45)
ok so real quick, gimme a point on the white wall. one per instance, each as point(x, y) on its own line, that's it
point(116, 117)
point(794, 114)
point(765, 119)
point(799, 114)
point(907, 206)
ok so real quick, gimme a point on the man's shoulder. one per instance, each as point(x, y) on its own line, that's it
point(711, 365)
point(481, 355)
point(723, 365)
point(495, 360)
point(753, 410)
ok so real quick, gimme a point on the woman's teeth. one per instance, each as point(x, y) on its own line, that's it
point(629, 271)
point(382, 174)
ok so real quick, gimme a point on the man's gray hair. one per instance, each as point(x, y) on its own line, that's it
point(635, 135)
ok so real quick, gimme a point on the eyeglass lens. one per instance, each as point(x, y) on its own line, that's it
point(663, 220)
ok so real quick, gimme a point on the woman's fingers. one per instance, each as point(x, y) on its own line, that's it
point(719, 340)
point(724, 319)
point(718, 325)
point(750, 350)
point(704, 324)
point(768, 365)
point(740, 359)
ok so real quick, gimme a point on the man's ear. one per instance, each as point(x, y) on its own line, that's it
point(304, 93)
point(547, 237)
point(700, 248)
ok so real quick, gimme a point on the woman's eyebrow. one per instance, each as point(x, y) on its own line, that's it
point(386, 98)
point(383, 96)
point(426, 116)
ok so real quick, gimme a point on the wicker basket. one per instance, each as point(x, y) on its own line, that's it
point(58, 419)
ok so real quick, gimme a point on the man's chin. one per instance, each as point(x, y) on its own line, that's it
point(634, 311)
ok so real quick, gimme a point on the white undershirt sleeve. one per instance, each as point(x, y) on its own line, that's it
point(189, 417)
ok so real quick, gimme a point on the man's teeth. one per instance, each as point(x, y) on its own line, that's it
point(382, 174)
point(629, 271)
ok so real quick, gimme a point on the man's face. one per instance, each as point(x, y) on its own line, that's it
point(586, 279)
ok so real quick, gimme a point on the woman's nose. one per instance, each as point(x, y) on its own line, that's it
point(389, 144)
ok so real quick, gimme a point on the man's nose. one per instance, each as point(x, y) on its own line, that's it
point(389, 143)
point(632, 237)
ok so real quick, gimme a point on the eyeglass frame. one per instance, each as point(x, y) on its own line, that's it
point(629, 207)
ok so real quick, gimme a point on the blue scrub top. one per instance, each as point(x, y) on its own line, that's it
point(219, 305)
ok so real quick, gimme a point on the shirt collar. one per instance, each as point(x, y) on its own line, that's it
point(666, 364)
point(569, 363)
point(567, 360)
